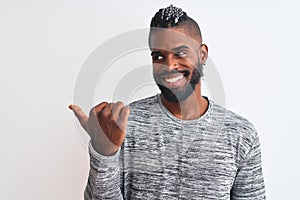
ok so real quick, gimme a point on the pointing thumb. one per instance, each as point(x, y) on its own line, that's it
point(81, 116)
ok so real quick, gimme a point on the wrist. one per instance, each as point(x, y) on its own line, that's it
point(104, 151)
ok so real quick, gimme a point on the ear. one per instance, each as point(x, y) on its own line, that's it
point(203, 53)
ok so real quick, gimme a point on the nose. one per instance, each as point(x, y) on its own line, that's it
point(171, 63)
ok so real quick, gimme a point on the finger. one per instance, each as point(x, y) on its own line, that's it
point(94, 112)
point(100, 107)
point(125, 111)
point(81, 116)
point(106, 111)
point(116, 109)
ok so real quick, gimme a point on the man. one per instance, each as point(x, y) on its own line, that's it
point(177, 144)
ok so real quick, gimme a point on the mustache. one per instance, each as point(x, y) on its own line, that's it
point(166, 73)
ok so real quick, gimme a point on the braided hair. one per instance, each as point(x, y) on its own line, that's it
point(173, 17)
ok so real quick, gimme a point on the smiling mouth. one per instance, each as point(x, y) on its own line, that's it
point(174, 79)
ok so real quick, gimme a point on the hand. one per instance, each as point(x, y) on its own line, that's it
point(106, 125)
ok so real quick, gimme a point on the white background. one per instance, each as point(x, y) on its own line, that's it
point(43, 45)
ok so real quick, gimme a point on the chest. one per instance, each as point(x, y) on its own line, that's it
point(179, 162)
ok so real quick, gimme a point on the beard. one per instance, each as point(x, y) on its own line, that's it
point(175, 96)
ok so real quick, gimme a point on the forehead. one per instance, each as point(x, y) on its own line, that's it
point(168, 39)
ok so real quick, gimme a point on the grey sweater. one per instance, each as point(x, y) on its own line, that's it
point(216, 156)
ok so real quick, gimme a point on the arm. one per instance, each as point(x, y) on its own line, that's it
point(249, 181)
point(106, 125)
point(104, 176)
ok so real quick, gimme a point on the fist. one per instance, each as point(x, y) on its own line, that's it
point(106, 125)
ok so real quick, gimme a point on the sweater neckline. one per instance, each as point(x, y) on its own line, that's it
point(169, 114)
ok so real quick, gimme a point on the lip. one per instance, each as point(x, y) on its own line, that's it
point(174, 80)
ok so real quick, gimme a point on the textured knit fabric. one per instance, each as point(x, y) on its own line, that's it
point(216, 156)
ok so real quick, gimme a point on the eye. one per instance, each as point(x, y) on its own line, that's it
point(181, 53)
point(157, 57)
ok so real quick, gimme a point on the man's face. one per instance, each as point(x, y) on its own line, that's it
point(176, 63)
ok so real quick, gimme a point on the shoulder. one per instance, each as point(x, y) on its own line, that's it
point(143, 109)
point(143, 104)
point(232, 120)
point(242, 133)
point(235, 125)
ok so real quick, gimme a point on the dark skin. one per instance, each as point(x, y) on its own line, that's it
point(105, 124)
point(174, 49)
point(178, 49)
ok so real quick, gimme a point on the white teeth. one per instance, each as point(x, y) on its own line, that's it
point(173, 80)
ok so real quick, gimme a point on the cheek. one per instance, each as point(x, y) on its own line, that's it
point(189, 62)
point(188, 66)
point(156, 68)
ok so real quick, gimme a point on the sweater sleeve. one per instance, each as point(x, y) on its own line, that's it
point(104, 176)
point(249, 181)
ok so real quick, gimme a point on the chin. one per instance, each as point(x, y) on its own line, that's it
point(176, 96)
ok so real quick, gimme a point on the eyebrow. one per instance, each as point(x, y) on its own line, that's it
point(155, 52)
point(173, 50)
point(180, 47)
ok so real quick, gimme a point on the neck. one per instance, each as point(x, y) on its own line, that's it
point(191, 108)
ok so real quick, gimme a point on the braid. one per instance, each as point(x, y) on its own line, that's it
point(172, 17)
point(168, 17)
